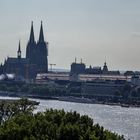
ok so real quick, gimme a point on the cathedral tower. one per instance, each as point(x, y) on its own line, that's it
point(37, 53)
point(31, 47)
point(42, 53)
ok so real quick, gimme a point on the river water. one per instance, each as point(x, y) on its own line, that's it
point(124, 121)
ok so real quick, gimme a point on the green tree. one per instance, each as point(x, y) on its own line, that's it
point(8, 109)
point(51, 125)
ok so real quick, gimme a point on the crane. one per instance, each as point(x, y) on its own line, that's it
point(51, 65)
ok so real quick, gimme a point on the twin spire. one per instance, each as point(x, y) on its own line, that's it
point(32, 39)
point(41, 35)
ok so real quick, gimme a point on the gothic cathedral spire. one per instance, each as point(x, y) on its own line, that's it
point(37, 53)
point(31, 46)
point(42, 52)
point(41, 35)
point(19, 51)
point(32, 39)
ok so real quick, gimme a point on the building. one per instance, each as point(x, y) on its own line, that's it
point(105, 69)
point(37, 52)
point(94, 70)
point(16, 65)
point(80, 68)
point(36, 58)
point(77, 68)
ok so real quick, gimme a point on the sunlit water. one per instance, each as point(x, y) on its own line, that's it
point(124, 121)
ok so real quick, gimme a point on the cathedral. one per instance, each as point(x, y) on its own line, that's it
point(36, 60)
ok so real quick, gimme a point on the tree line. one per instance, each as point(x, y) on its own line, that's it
point(19, 122)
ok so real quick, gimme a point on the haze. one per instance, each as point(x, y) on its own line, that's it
point(94, 30)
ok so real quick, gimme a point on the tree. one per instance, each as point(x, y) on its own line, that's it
point(8, 109)
point(51, 125)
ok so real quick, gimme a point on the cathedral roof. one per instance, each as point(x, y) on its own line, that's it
point(16, 60)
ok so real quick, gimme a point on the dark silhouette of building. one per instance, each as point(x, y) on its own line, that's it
point(36, 58)
point(80, 68)
point(108, 72)
point(105, 69)
point(129, 73)
point(37, 52)
point(94, 70)
point(77, 68)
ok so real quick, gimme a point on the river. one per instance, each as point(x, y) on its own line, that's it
point(124, 121)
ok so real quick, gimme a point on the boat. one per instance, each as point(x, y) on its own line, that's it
point(76, 99)
point(125, 105)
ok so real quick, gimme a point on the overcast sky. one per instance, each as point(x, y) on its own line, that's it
point(94, 30)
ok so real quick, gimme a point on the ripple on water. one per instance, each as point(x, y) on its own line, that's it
point(124, 121)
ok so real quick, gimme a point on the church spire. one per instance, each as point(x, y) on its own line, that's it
point(41, 35)
point(32, 39)
point(19, 51)
point(105, 68)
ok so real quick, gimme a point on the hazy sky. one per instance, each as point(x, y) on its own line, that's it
point(94, 30)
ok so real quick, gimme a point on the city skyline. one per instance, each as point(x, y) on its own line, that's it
point(93, 30)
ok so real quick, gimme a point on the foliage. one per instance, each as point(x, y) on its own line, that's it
point(8, 109)
point(51, 125)
point(35, 89)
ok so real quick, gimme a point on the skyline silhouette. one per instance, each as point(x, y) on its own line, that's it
point(93, 30)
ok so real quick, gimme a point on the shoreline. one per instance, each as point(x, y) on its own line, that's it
point(14, 100)
point(75, 100)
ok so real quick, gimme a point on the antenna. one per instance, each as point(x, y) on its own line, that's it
point(81, 61)
point(75, 59)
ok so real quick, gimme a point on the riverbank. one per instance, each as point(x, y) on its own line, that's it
point(93, 101)
point(74, 99)
point(7, 101)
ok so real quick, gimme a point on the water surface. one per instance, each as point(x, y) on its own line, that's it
point(124, 121)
